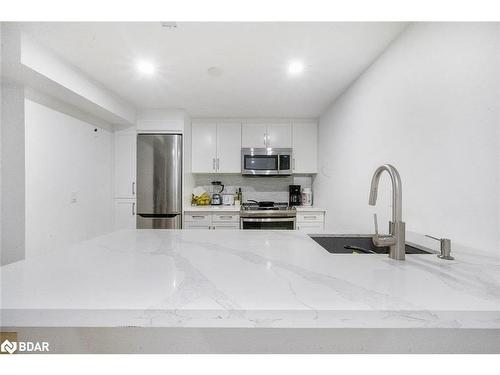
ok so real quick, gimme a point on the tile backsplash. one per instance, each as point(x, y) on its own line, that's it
point(257, 188)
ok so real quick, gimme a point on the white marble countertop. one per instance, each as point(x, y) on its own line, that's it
point(237, 208)
point(209, 208)
point(194, 278)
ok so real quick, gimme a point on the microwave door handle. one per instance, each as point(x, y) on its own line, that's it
point(279, 163)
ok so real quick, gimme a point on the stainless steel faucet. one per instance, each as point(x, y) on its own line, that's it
point(396, 238)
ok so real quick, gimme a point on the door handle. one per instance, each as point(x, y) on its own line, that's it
point(293, 163)
point(218, 162)
point(133, 209)
point(213, 164)
point(133, 188)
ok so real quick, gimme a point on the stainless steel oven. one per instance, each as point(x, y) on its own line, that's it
point(270, 223)
point(266, 161)
point(273, 217)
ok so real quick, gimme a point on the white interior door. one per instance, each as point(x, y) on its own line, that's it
point(124, 164)
point(204, 148)
point(124, 214)
point(229, 148)
point(279, 135)
point(253, 135)
point(305, 148)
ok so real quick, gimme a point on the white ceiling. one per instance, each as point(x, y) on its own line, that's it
point(252, 56)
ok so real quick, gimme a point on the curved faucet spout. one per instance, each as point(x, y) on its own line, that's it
point(397, 195)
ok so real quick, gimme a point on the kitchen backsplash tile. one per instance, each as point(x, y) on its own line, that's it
point(257, 188)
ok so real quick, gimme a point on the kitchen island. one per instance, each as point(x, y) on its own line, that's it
point(277, 281)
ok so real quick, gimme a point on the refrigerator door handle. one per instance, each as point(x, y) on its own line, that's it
point(133, 209)
point(158, 215)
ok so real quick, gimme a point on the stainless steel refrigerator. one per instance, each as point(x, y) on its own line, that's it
point(159, 181)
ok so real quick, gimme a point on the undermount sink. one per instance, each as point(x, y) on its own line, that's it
point(358, 244)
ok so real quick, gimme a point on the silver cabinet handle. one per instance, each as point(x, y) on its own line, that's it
point(213, 164)
point(218, 160)
point(133, 209)
point(226, 216)
point(309, 217)
point(293, 163)
point(265, 139)
point(133, 188)
point(198, 217)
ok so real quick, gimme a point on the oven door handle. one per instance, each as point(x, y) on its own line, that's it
point(266, 219)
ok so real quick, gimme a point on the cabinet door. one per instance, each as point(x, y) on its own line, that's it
point(229, 148)
point(310, 228)
point(305, 148)
point(124, 215)
point(124, 164)
point(204, 148)
point(253, 135)
point(279, 135)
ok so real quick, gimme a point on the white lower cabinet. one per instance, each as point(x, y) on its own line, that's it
point(226, 226)
point(209, 220)
point(311, 221)
point(124, 214)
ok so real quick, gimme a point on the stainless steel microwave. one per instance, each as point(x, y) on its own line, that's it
point(266, 161)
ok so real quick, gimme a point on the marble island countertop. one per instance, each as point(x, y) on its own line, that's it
point(194, 278)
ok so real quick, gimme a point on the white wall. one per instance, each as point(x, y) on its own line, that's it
point(430, 106)
point(13, 181)
point(65, 155)
point(1, 89)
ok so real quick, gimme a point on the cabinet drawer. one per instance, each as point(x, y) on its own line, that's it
point(226, 218)
point(190, 225)
point(199, 218)
point(310, 217)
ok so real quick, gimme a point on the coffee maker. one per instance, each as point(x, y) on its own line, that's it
point(294, 195)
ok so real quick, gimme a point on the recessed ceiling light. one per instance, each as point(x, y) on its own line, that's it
point(295, 67)
point(146, 67)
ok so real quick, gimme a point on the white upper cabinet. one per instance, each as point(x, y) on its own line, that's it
point(124, 164)
point(204, 148)
point(305, 147)
point(228, 148)
point(267, 135)
point(254, 135)
point(216, 148)
point(279, 135)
